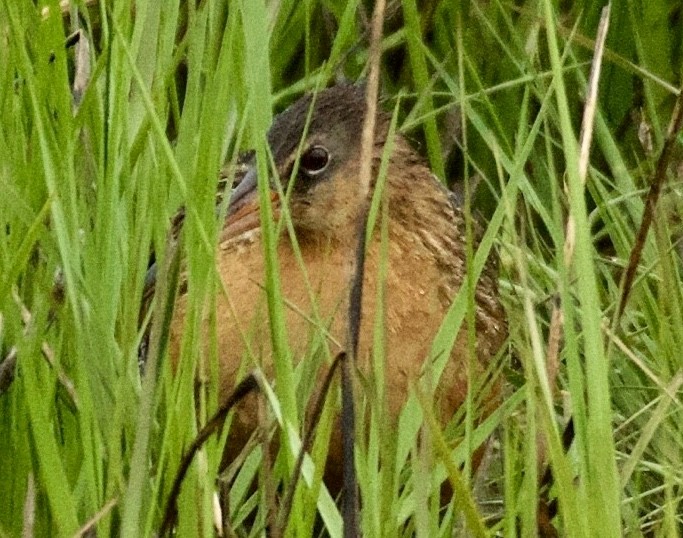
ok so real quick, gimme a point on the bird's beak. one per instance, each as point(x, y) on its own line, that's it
point(243, 211)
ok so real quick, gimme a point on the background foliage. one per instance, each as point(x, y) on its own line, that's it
point(492, 95)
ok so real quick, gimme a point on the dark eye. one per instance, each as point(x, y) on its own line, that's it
point(314, 161)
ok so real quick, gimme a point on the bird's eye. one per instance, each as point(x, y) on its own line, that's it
point(314, 161)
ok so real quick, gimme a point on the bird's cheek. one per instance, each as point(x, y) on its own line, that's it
point(312, 217)
point(307, 207)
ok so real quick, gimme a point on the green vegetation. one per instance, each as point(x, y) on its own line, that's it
point(489, 90)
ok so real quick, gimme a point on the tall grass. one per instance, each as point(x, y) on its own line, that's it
point(488, 90)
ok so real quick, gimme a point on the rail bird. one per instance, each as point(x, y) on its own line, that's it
point(315, 146)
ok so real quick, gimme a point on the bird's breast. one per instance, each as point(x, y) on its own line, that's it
point(403, 295)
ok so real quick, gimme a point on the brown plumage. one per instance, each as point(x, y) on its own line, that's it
point(426, 260)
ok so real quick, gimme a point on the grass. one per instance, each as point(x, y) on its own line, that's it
point(488, 90)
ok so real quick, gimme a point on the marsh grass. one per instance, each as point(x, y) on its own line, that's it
point(488, 90)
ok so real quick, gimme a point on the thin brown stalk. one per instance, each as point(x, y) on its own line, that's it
point(350, 510)
point(586, 138)
point(587, 123)
point(89, 526)
point(546, 508)
point(29, 508)
point(245, 387)
point(651, 200)
point(7, 369)
point(9, 364)
point(306, 444)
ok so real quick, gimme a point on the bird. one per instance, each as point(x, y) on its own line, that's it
point(315, 146)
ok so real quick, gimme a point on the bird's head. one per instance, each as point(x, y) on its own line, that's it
point(323, 133)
